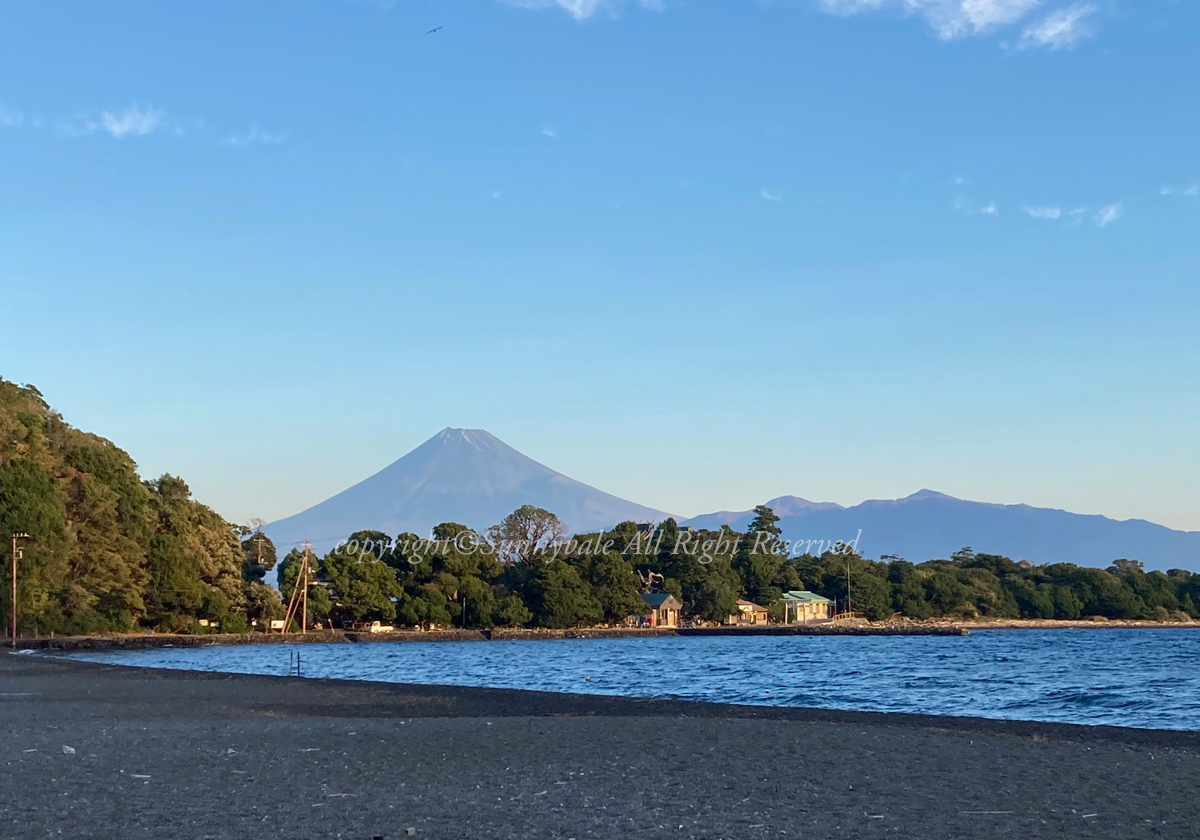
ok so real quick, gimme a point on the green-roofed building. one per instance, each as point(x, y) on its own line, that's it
point(801, 607)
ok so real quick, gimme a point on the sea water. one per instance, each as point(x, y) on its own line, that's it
point(1123, 677)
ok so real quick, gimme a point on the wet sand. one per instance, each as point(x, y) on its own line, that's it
point(174, 754)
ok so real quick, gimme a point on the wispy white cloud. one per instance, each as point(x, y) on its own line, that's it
point(965, 205)
point(1044, 212)
point(950, 19)
point(255, 136)
point(1109, 214)
point(767, 194)
point(132, 121)
point(1193, 190)
point(550, 131)
point(1061, 29)
point(584, 9)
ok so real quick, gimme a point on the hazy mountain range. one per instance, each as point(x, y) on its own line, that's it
point(472, 477)
point(929, 525)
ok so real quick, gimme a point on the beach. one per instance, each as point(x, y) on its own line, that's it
point(114, 752)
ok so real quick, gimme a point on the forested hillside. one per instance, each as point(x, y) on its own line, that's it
point(108, 551)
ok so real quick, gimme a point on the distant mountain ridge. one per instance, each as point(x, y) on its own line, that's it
point(929, 525)
point(474, 478)
point(459, 475)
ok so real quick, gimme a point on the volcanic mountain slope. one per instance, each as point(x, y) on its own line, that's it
point(459, 475)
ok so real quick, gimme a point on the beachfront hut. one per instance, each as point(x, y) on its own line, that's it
point(748, 613)
point(663, 610)
point(801, 607)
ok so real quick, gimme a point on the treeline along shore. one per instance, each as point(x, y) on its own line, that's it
point(102, 551)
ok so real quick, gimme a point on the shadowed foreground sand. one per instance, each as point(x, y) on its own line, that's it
point(170, 754)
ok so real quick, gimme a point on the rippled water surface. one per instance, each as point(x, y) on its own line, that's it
point(1141, 678)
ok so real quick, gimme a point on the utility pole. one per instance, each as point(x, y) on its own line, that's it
point(849, 608)
point(304, 595)
point(299, 599)
point(12, 607)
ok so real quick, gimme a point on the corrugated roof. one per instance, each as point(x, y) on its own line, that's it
point(807, 597)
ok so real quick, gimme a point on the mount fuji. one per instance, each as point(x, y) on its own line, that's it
point(471, 477)
point(459, 475)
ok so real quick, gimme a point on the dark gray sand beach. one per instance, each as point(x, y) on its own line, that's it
point(110, 752)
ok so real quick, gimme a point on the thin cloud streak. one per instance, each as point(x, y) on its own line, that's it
point(1043, 212)
point(950, 19)
point(584, 9)
point(1193, 190)
point(1062, 29)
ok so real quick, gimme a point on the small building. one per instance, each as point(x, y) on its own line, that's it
point(664, 610)
point(748, 613)
point(801, 607)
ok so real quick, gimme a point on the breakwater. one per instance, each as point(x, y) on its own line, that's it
point(151, 641)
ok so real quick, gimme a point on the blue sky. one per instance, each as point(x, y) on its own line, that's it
point(697, 253)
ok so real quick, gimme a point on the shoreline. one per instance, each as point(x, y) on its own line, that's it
point(143, 641)
point(393, 699)
point(120, 751)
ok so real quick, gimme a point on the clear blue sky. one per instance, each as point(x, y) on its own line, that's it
point(697, 253)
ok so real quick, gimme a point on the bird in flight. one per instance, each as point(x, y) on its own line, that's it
point(435, 29)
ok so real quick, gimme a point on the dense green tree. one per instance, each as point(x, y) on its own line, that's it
point(907, 588)
point(615, 585)
point(512, 612)
point(561, 598)
point(872, 597)
point(713, 594)
point(29, 502)
point(526, 535)
point(258, 554)
point(361, 586)
point(945, 593)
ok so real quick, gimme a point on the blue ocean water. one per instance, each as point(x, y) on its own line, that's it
point(1139, 678)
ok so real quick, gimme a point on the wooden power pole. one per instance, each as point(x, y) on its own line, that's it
point(304, 595)
point(299, 599)
point(849, 608)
